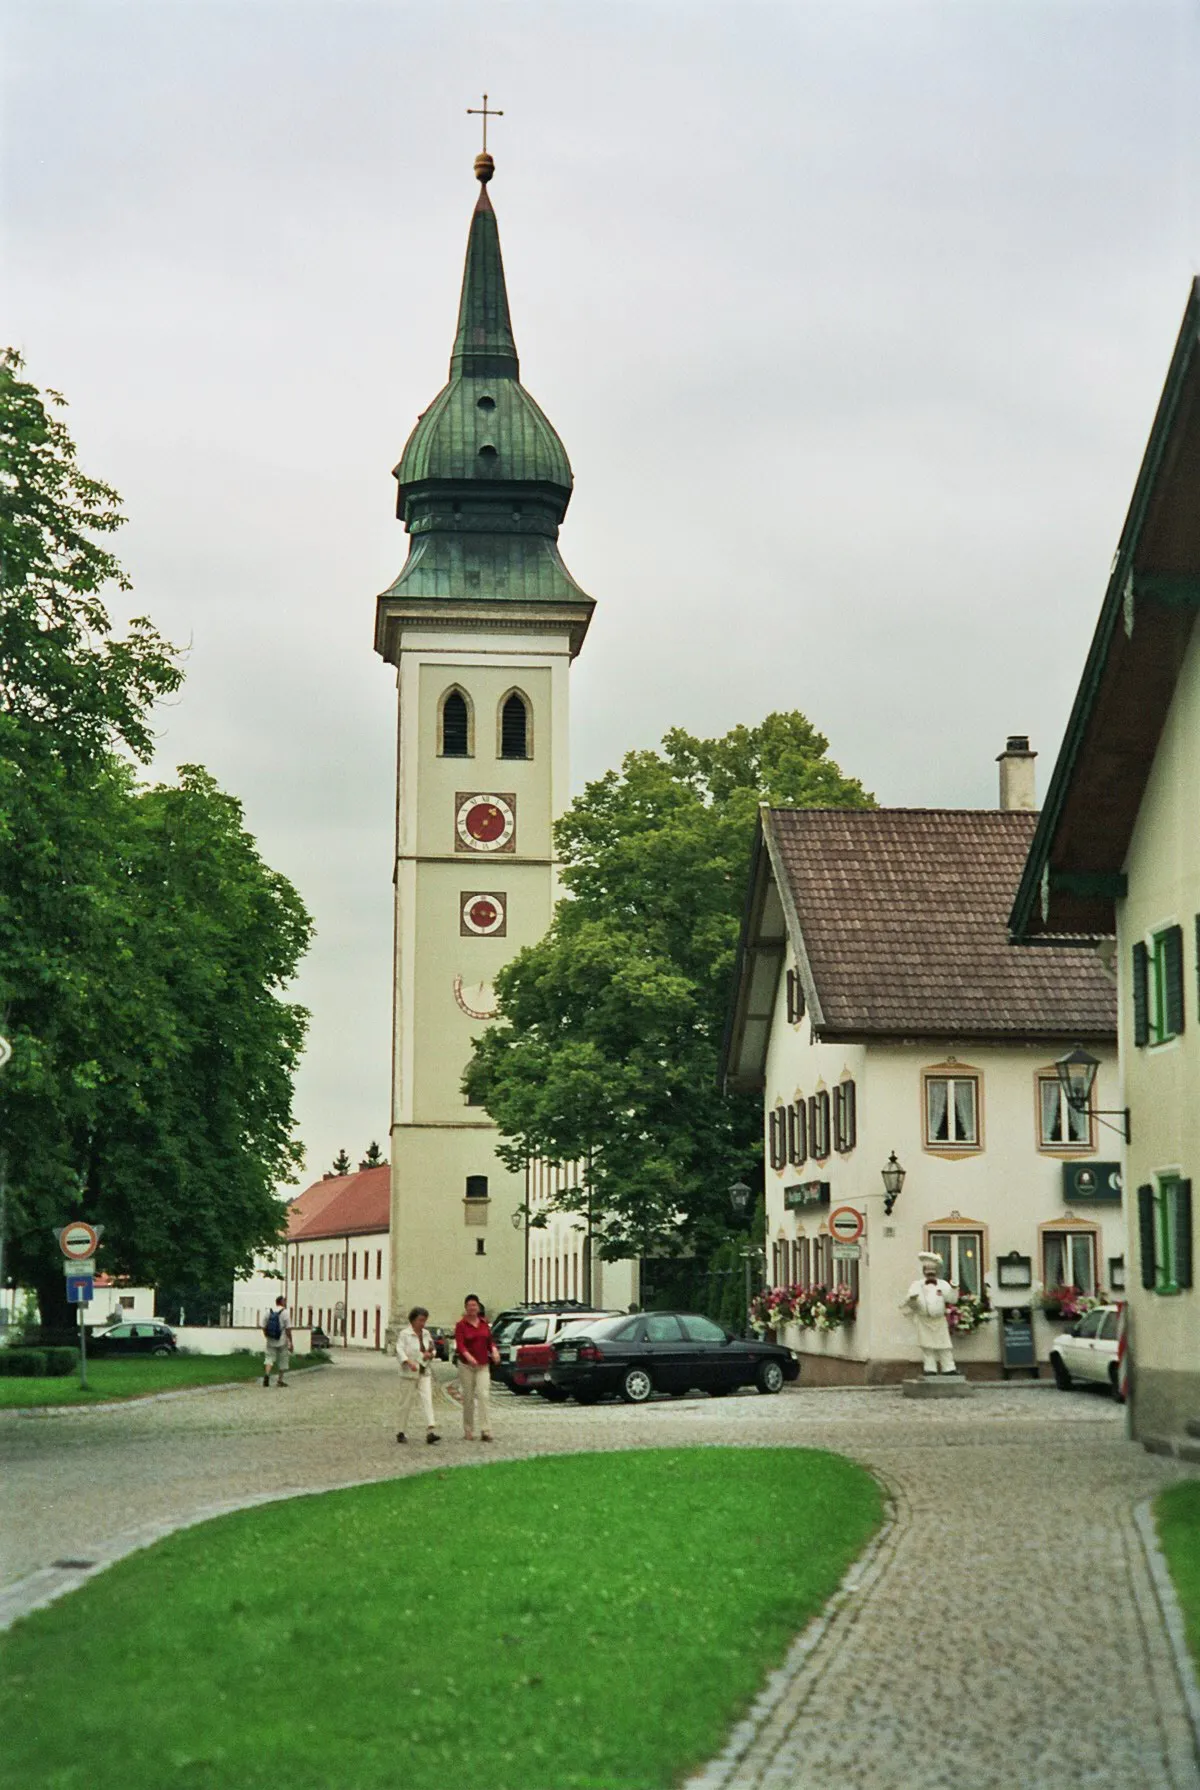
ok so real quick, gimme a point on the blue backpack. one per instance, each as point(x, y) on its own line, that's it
point(273, 1328)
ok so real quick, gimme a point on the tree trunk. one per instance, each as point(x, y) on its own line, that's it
point(59, 1320)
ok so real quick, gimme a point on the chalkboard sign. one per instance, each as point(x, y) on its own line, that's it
point(1017, 1347)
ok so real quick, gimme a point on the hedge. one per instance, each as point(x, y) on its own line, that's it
point(37, 1364)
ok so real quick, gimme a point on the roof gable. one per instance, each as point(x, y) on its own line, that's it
point(342, 1206)
point(1074, 872)
point(897, 919)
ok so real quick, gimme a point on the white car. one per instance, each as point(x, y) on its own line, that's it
point(1087, 1352)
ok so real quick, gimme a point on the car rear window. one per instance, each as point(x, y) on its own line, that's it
point(616, 1327)
point(532, 1330)
point(702, 1330)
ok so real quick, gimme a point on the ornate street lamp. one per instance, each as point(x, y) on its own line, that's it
point(1076, 1077)
point(739, 1198)
point(893, 1181)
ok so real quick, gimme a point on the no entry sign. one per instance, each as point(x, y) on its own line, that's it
point(78, 1241)
point(847, 1224)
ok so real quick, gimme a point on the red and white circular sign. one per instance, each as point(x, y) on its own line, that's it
point(847, 1224)
point(485, 823)
point(78, 1241)
point(483, 914)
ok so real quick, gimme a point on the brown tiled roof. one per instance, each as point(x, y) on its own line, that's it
point(903, 916)
point(343, 1205)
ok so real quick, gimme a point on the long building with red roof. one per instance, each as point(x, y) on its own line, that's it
point(337, 1257)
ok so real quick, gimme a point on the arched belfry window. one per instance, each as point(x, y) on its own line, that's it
point(515, 741)
point(454, 729)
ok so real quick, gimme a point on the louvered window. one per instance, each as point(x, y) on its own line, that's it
point(514, 728)
point(845, 1116)
point(795, 998)
point(777, 1136)
point(818, 1126)
point(456, 726)
point(1165, 1234)
point(797, 1132)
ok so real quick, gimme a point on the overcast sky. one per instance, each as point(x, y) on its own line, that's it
point(852, 317)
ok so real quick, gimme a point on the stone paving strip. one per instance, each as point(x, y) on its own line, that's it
point(1004, 1630)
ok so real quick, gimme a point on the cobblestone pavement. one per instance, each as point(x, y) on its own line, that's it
point(1004, 1632)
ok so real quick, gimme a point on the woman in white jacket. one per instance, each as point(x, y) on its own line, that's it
point(415, 1352)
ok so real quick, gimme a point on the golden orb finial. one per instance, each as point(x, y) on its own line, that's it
point(485, 167)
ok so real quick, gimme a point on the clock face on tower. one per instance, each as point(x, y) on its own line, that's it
point(476, 998)
point(482, 915)
point(485, 823)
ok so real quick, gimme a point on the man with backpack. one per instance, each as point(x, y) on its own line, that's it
point(277, 1335)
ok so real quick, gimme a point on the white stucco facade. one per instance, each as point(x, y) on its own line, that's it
point(557, 1263)
point(1004, 1193)
point(1162, 1078)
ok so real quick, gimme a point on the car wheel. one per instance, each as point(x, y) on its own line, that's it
point(636, 1385)
point(161, 1350)
point(1062, 1373)
point(1114, 1380)
point(769, 1377)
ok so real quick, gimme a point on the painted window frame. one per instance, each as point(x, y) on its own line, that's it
point(777, 1137)
point(955, 1228)
point(952, 1073)
point(443, 699)
point(1167, 1239)
point(1158, 986)
point(1058, 1227)
point(506, 698)
point(1048, 1077)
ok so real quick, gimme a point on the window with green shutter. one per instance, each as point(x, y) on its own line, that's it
point(1146, 1236)
point(1171, 1240)
point(1141, 994)
point(1163, 986)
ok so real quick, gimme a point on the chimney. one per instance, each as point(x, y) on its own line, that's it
point(1018, 791)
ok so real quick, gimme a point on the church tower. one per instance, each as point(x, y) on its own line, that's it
point(481, 624)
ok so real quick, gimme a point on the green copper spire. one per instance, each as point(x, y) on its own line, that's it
point(484, 343)
point(484, 481)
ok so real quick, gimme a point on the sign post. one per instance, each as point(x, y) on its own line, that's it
point(79, 1242)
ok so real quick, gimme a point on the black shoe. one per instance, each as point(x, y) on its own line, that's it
point(400, 1436)
point(433, 1436)
point(266, 1379)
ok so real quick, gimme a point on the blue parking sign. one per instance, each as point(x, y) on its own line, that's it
point(80, 1288)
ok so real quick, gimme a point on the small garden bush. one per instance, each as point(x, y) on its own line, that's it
point(38, 1364)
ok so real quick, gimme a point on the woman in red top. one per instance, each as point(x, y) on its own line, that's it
point(475, 1351)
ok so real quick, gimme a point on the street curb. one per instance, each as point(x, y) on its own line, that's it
point(137, 1398)
point(860, 1576)
point(1172, 1615)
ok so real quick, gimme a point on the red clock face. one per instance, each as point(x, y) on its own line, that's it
point(482, 916)
point(485, 823)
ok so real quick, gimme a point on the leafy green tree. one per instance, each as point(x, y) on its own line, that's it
point(607, 1045)
point(144, 945)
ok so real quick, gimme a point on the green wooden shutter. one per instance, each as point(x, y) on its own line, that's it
point(1146, 1235)
point(1173, 976)
point(1183, 1233)
point(849, 1115)
point(1141, 978)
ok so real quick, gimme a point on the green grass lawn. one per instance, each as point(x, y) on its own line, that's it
point(579, 1622)
point(134, 1377)
point(1177, 1516)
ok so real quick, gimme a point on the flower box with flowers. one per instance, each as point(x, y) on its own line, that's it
point(1069, 1304)
point(812, 1308)
point(971, 1311)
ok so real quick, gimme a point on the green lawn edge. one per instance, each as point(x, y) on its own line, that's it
point(572, 1622)
point(137, 1378)
point(1177, 1520)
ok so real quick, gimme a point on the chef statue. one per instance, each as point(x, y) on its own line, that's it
point(926, 1304)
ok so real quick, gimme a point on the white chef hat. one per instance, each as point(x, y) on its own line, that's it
point(928, 1260)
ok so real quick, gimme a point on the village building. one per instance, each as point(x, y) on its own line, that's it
point(561, 1260)
point(1116, 859)
point(482, 625)
point(335, 1263)
point(889, 1024)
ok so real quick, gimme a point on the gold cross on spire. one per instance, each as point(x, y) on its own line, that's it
point(484, 113)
